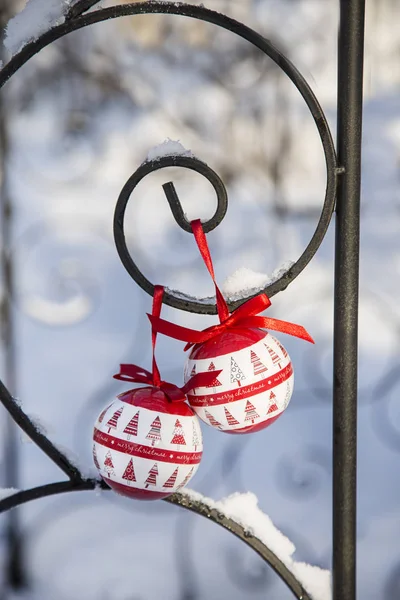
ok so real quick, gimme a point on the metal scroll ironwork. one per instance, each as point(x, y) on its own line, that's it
point(349, 152)
point(198, 12)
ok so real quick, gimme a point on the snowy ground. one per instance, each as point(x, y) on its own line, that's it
point(79, 315)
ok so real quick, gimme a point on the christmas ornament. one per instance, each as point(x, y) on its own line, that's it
point(147, 444)
point(255, 380)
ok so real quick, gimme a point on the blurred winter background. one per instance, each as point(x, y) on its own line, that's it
point(74, 125)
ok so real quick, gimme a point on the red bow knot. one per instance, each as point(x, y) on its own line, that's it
point(247, 315)
point(135, 374)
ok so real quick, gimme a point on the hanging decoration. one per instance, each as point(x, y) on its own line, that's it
point(147, 444)
point(252, 372)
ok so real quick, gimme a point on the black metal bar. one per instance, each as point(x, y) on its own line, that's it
point(203, 509)
point(349, 127)
point(23, 421)
point(14, 570)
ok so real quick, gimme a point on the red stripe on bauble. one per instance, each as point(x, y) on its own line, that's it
point(132, 492)
point(246, 391)
point(143, 451)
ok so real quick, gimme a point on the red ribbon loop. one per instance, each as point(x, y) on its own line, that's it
point(246, 315)
point(135, 374)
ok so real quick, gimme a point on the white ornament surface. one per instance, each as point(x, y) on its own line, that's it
point(165, 449)
point(255, 385)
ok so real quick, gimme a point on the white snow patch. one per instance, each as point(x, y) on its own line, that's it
point(36, 18)
point(168, 148)
point(244, 282)
point(244, 510)
point(85, 470)
point(39, 425)
point(183, 296)
point(6, 492)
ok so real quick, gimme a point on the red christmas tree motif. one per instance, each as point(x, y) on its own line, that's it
point(213, 421)
point(101, 417)
point(129, 473)
point(151, 479)
point(250, 411)
point(285, 354)
point(258, 366)
point(171, 481)
point(272, 406)
point(95, 460)
point(108, 464)
point(215, 383)
point(230, 418)
point(236, 373)
point(112, 423)
point(178, 434)
point(155, 432)
point(188, 476)
point(195, 436)
point(132, 427)
point(274, 357)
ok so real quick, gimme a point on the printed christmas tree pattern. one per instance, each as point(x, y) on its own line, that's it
point(215, 383)
point(171, 481)
point(129, 473)
point(272, 404)
point(250, 411)
point(274, 357)
point(155, 432)
point(188, 476)
point(230, 418)
point(95, 459)
point(284, 353)
point(258, 366)
point(112, 423)
point(213, 421)
point(101, 417)
point(178, 434)
point(236, 373)
point(152, 477)
point(132, 427)
point(108, 464)
point(195, 436)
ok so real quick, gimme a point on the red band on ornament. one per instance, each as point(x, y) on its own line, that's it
point(242, 392)
point(246, 315)
point(135, 492)
point(142, 451)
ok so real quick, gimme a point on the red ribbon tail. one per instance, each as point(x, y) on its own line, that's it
point(135, 374)
point(184, 334)
point(200, 380)
point(278, 325)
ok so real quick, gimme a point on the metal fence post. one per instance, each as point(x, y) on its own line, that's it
point(349, 127)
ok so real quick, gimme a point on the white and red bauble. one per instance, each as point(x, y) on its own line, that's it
point(145, 446)
point(254, 387)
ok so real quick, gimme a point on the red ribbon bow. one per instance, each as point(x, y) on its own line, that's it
point(135, 374)
point(174, 393)
point(246, 315)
